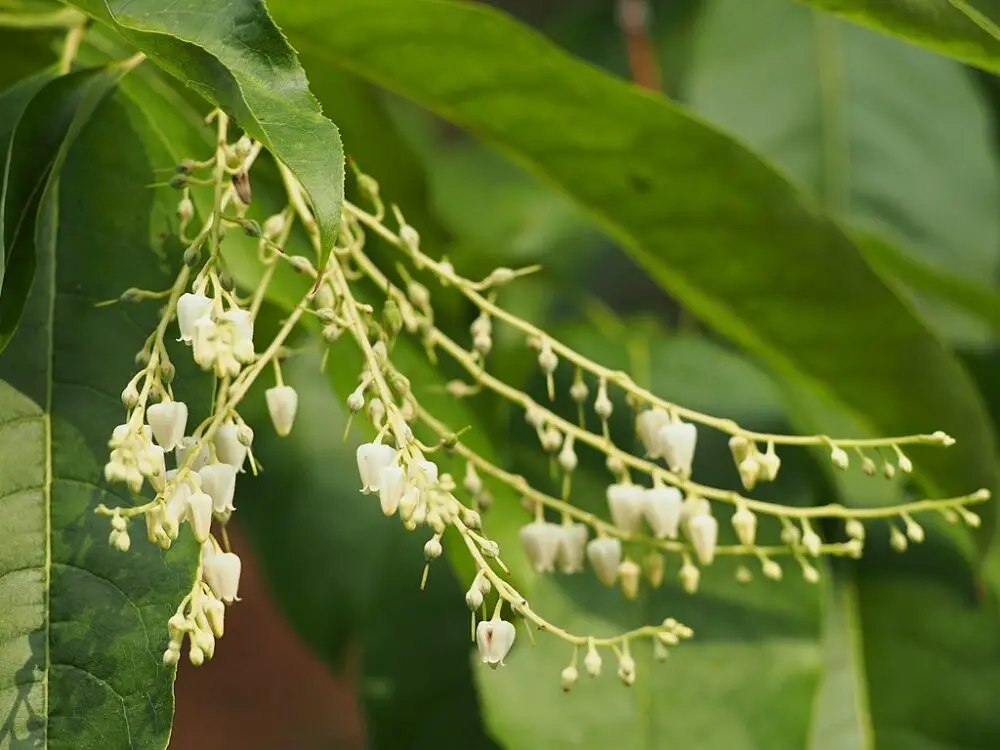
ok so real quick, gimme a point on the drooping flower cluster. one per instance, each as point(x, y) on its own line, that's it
point(654, 508)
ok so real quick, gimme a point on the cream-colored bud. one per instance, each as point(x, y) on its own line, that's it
point(550, 439)
point(690, 577)
point(592, 661)
point(567, 456)
point(471, 481)
point(660, 652)
point(547, 359)
point(185, 210)
point(626, 669)
point(569, 677)
point(839, 457)
point(897, 539)
point(855, 529)
point(743, 574)
point(868, 466)
point(579, 391)
point(888, 470)
point(356, 402)
point(654, 565)
point(749, 470)
point(745, 524)
point(602, 404)
point(629, 575)
point(769, 464)
point(474, 598)
point(433, 548)
point(905, 464)
point(809, 573)
point(740, 447)
point(811, 541)
point(196, 655)
point(771, 569)
point(704, 533)
point(282, 404)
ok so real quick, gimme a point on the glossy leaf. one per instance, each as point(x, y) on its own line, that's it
point(232, 54)
point(828, 102)
point(83, 626)
point(718, 227)
point(966, 30)
point(42, 117)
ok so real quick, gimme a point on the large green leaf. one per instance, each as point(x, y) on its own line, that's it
point(84, 626)
point(966, 30)
point(889, 137)
point(232, 54)
point(41, 118)
point(724, 232)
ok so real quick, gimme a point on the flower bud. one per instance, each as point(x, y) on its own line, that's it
point(809, 573)
point(282, 403)
point(839, 458)
point(592, 661)
point(897, 539)
point(471, 482)
point(547, 359)
point(185, 210)
point(474, 598)
point(704, 532)
point(740, 447)
point(769, 464)
point(579, 391)
point(130, 396)
point(569, 677)
point(274, 225)
point(749, 469)
point(228, 447)
point(771, 569)
point(433, 548)
point(690, 577)
point(196, 655)
point(199, 513)
point(171, 656)
point(811, 541)
point(626, 669)
point(855, 529)
point(629, 574)
point(567, 456)
point(654, 565)
point(392, 483)
point(602, 404)
point(215, 613)
point(745, 524)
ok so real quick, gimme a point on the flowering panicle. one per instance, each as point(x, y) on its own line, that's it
point(419, 469)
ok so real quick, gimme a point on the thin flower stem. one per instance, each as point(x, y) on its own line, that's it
point(620, 378)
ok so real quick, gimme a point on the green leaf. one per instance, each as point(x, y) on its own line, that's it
point(83, 628)
point(45, 117)
point(828, 102)
point(966, 30)
point(725, 233)
point(232, 54)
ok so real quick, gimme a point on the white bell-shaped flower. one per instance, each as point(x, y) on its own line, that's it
point(572, 547)
point(541, 544)
point(184, 450)
point(190, 309)
point(222, 574)
point(168, 421)
point(204, 342)
point(219, 481)
point(228, 447)
point(494, 639)
point(648, 424)
point(662, 508)
point(626, 501)
point(242, 342)
point(703, 532)
point(392, 484)
point(199, 505)
point(372, 458)
point(427, 469)
point(676, 444)
point(605, 555)
point(282, 403)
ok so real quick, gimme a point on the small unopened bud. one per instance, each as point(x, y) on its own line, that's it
point(740, 447)
point(745, 524)
point(903, 462)
point(602, 404)
point(250, 228)
point(356, 401)
point(244, 433)
point(274, 225)
point(592, 661)
point(839, 458)
point(567, 456)
point(302, 264)
point(811, 540)
point(418, 294)
point(626, 669)
point(629, 574)
point(888, 470)
point(172, 655)
point(241, 183)
point(654, 565)
point(809, 573)
point(185, 210)
point(771, 569)
point(743, 574)
point(547, 358)
point(192, 256)
point(660, 652)
point(855, 529)
point(897, 539)
point(690, 577)
point(769, 465)
point(868, 466)
point(392, 318)
point(282, 404)
point(500, 276)
point(972, 519)
point(410, 238)
point(196, 655)
point(433, 548)
point(579, 391)
point(569, 677)
point(474, 598)
point(178, 181)
point(749, 470)
point(471, 482)
point(130, 396)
